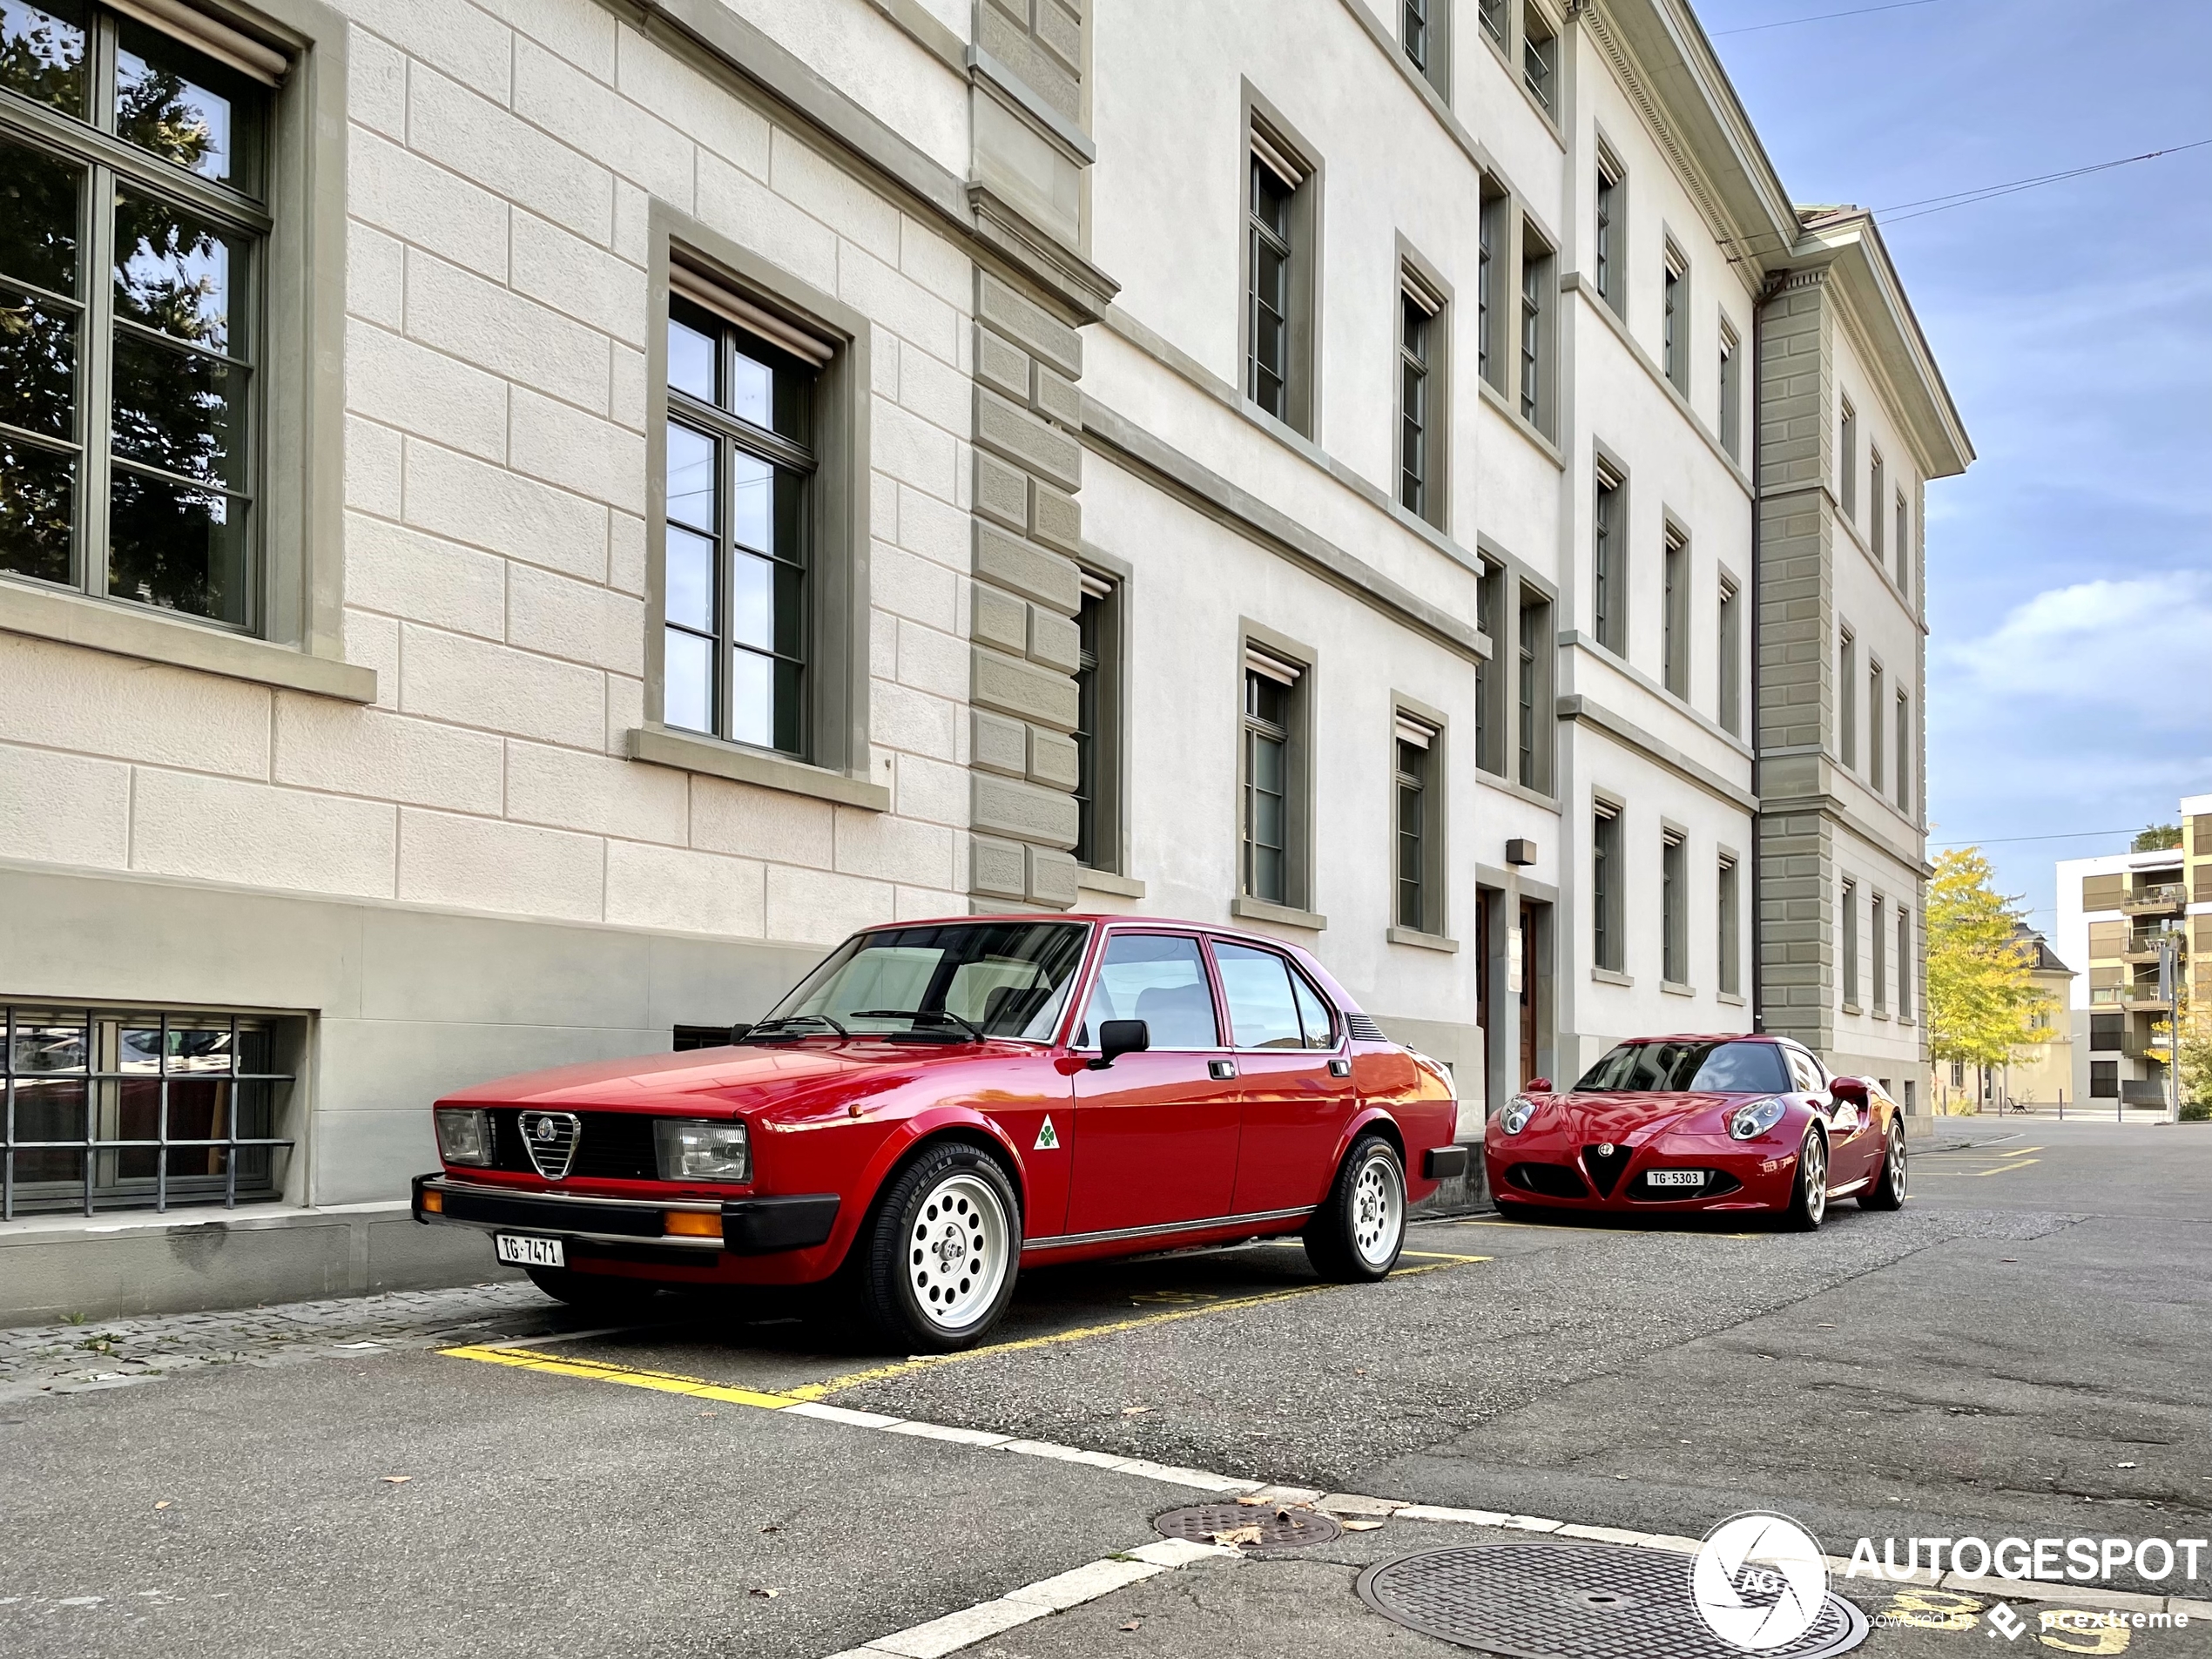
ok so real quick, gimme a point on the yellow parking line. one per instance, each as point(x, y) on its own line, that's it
point(2001, 1168)
point(666, 1382)
point(1114, 1327)
point(2017, 1151)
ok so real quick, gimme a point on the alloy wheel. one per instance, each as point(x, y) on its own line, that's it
point(957, 1254)
point(1377, 1209)
point(1815, 1178)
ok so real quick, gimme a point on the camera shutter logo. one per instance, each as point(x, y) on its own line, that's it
point(1758, 1581)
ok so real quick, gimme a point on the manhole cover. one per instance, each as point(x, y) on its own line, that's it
point(1538, 1601)
point(1280, 1525)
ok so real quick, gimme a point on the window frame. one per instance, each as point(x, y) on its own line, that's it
point(1607, 881)
point(1540, 58)
point(1847, 943)
point(1264, 647)
point(1674, 906)
point(1877, 489)
point(1271, 147)
point(1847, 460)
point(1433, 62)
point(1675, 303)
point(1677, 582)
point(1490, 674)
point(1425, 371)
point(1102, 653)
point(1410, 721)
point(1609, 577)
point(1492, 231)
point(1877, 954)
point(1608, 230)
point(1902, 763)
point(1729, 648)
point(1731, 391)
point(1847, 698)
point(1534, 312)
point(1877, 698)
point(1532, 748)
point(1728, 925)
point(1905, 977)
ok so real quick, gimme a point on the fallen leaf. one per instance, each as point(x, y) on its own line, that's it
point(397, 1479)
point(163, 1504)
point(1135, 1411)
point(771, 1527)
point(1236, 1536)
point(1253, 1499)
point(2123, 1465)
point(1134, 1624)
point(770, 1594)
point(2010, 1261)
point(1359, 1526)
point(710, 1413)
point(1827, 1327)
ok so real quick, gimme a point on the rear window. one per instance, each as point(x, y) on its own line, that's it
point(1675, 1067)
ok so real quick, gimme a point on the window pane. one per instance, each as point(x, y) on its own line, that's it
point(174, 272)
point(687, 669)
point(47, 1043)
point(789, 734)
point(1313, 1014)
point(690, 362)
point(1161, 979)
point(752, 601)
point(177, 547)
point(752, 483)
point(753, 698)
point(41, 52)
point(690, 580)
point(791, 613)
point(1257, 984)
point(165, 109)
point(49, 1111)
point(180, 411)
point(37, 364)
point(38, 217)
point(690, 477)
point(751, 390)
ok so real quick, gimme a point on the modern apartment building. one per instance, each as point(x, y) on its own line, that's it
point(2113, 913)
point(525, 520)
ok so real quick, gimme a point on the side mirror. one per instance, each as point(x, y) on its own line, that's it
point(1848, 1092)
point(1118, 1037)
point(738, 1032)
point(1537, 1086)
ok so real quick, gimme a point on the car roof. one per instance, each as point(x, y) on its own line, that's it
point(1709, 1036)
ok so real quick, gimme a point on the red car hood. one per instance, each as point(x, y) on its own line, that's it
point(1628, 1118)
point(739, 1078)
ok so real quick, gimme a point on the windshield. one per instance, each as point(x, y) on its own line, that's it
point(1676, 1068)
point(949, 982)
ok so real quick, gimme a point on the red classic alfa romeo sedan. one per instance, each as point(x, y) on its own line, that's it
point(1715, 1123)
point(940, 1103)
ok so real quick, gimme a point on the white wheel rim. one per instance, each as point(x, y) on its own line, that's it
point(956, 1251)
point(1377, 1211)
point(1815, 1178)
point(1897, 1167)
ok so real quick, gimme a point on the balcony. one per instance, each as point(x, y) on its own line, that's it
point(2167, 898)
point(2142, 997)
point(2149, 1092)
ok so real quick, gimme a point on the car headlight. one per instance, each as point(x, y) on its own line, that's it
point(696, 1150)
point(464, 1136)
point(1518, 1111)
point(1755, 1118)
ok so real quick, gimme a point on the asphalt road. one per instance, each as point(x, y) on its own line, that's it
point(2026, 1349)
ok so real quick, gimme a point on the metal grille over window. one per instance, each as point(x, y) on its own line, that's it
point(130, 278)
point(138, 1110)
point(737, 604)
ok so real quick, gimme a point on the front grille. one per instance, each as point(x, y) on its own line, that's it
point(1605, 1167)
point(612, 1146)
point(1716, 1182)
point(1552, 1180)
point(543, 1215)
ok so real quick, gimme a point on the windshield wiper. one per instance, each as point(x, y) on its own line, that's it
point(770, 1029)
point(936, 1015)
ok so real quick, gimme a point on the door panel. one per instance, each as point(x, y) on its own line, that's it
point(1155, 1133)
point(1294, 1107)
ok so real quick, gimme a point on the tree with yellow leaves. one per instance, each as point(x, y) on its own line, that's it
point(1981, 1002)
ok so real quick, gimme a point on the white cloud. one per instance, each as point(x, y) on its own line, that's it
point(2140, 641)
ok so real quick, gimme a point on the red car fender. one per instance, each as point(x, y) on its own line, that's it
point(1362, 1120)
point(901, 1138)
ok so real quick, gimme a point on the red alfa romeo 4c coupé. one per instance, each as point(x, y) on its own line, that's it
point(940, 1103)
point(1721, 1123)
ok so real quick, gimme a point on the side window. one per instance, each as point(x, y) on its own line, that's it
point(1160, 979)
point(1804, 1075)
point(1313, 1014)
point(1263, 1011)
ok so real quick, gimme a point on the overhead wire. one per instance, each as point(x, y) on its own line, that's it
point(1789, 23)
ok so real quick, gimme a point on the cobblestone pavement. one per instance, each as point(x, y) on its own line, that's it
point(116, 1354)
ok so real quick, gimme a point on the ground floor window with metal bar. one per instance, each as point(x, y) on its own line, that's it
point(110, 1110)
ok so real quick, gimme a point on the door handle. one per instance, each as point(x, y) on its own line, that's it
point(1340, 1068)
point(1221, 1070)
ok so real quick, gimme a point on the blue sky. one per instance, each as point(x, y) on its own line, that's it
point(2070, 570)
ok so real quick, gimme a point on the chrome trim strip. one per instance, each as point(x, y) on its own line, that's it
point(447, 1184)
point(1065, 1241)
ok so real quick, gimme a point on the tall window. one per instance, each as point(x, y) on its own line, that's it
point(1906, 750)
point(1875, 493)
point(1847, 941)
point(1674, 614)
point(1609, 565)
point(1730, 635)
point(1419, 828)
point(1731, 394)
point(1878, 951)
point(1904, 551)
point(1416, 33)
point(1847, 460)
point(1877, 700)
point(132, 271)
point(1729, 942)
point(1604, 261)
point(1673, 320)
point(1539, 56)
point(1272, 783)
point(737, 601)
point(1536, 271)
point(1847, 698)
point(1493, 13)
point(1674, 908)
point(1487, 230)
point(1418, 328)
point(1533, 768)
point(1426, 26)
point(1488, 676)
point(1605, 888)
point(1905, 974)
point(1268, 326)
point(1098, 734)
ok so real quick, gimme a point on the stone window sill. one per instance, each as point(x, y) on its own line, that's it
point(1676, 987)
point(692, 751)
point(1613, 976)
point(1121, 886)
point(1282, 915)
point(1729, 997)
point(159, 636)
point(1852, 1007)
point(1415, 937)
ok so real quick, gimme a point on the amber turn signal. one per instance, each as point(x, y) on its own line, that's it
point(435, 1203)
point(691, 1224)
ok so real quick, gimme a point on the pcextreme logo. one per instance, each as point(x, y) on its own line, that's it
point(1759, 1582)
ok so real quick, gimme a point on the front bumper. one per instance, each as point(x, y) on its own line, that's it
point(1742, 1175)
point(750, 1226)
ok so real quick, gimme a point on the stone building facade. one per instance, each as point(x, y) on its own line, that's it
point(662, 483)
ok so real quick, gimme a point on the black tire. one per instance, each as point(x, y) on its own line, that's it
point(1356, 1235)
point(602, 1292)
point(1888, 1191)
point(952, 1206)
point(1809, 1198)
